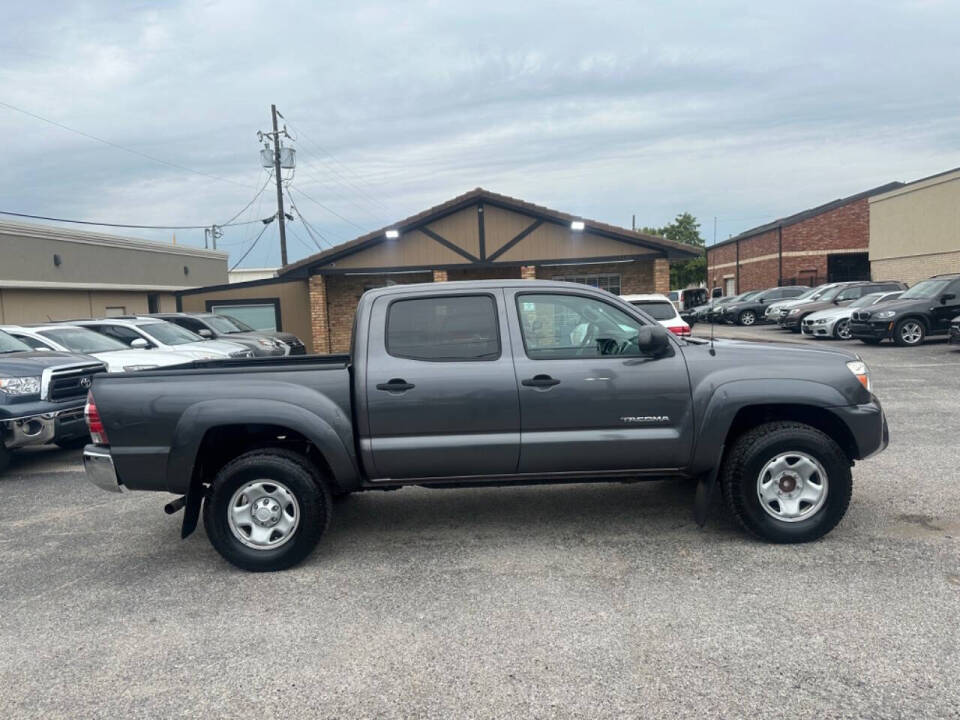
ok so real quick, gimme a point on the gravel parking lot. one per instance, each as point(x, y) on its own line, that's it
point(581, 600)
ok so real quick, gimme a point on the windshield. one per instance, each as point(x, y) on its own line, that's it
point(749, 296)
point(821, 293)
point(806, 294)
point(82, 340)
point(169, 334)
point(867, 300)
point(9, 344)
point(239, 323)
point(657, 309)
point(223, 324)
point(926, 289)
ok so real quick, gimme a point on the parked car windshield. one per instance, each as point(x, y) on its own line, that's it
point(170, 334)
point(865, 300)
point(926, 289)
point(807, 294)
point(749, 296)
point(657, 309)
point(239, 323)
point(82, 340)
point(223, 324)
point(9, 344)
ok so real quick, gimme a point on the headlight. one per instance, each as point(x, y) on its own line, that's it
point(885, 314)
point(861, 372)
point(134, 368)
point(821, 321)
point(20, 385)
point(265, 342)
point(795, 311)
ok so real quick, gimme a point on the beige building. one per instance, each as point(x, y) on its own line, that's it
point(51, 273)
point(915, 229)
point(475, 236)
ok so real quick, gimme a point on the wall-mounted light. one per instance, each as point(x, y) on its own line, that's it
point(56, 260)
point(577, 225)
point(393, 234)
point(186, 270)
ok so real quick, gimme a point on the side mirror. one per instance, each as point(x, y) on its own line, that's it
point(944, 299)
point(653, 339)
point(204, 333)
point(139, 344)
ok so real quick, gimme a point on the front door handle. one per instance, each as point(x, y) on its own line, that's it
point(543, 381)
point(396, 385)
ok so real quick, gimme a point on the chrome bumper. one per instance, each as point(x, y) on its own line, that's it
point(42, 429)
point(98, 464)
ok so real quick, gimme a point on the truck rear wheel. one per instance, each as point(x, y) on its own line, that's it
point(267, 510)
point(787, 482)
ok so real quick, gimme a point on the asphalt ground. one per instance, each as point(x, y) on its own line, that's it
point(561, 601)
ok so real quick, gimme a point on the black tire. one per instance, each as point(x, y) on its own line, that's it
point(300, 477)
point(747, 458)
point(73, 443)
point(4, 457)
point(914, 331)
point(747, 318)
point(870, 341)
point(841, 330)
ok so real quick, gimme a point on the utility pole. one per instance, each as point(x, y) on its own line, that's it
point(276, 174)
point(212, 233)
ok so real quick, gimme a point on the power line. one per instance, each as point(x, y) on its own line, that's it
point(252, 200)
point(122, 225)
point(120, 147)
point(332, 212)
point(307, 226)
point(243, 257)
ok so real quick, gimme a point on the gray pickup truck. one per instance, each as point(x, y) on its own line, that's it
point(487, 383)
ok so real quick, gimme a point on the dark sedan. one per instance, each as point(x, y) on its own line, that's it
point(750, 311)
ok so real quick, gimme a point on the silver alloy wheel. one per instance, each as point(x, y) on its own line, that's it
point(792, 486)
point(748, 317)
point(911, 332)
point(843, 329)
point(263, 514)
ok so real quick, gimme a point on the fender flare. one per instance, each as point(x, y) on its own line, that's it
point(207, 415)
point(730, 398)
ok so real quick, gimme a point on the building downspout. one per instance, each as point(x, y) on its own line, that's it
point(780, 254)
point(737, 288)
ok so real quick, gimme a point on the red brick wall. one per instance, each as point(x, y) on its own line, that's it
point(844, 228)
point(635, 277)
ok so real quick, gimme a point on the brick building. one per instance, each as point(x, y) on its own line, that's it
point(823, 244)
point(476, 236)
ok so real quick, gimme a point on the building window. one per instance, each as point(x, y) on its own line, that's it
point(259, 314)
point(610, 283)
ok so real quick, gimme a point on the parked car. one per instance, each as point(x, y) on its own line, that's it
point(706, 313)
point(660, 309)
point(223, 327)
point(751, 311)
point(112, 353)
point(150, 333)
point(772, 313)
point(42, 397)
point(690, 298)
point(840, 295)
point(925, 309)
point(955, 331)
point(487, 383)
point(835, 322)
point(719, 309)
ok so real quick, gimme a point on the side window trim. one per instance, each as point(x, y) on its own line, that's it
point(441, 296)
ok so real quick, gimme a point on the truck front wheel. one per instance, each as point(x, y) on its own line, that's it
point(267, 510)
point(787, 482)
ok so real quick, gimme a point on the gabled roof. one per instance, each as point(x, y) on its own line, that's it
point(479, 195)
point(807, 214)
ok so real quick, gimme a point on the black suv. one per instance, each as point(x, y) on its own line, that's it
point(839, 295)
point(925, 309)
point(751, 311)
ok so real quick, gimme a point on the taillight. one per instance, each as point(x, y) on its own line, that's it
point(97, 432)
point(680, 329)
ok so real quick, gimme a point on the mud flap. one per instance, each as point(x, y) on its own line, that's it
point(706, 487)
point(191, 513)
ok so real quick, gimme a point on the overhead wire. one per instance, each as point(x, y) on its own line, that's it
point(329, 210)
point(253, 245)
point(120, 225)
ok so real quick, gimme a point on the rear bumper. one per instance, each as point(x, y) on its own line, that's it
point(98, 465)
point(868, 424)
point(870, 330)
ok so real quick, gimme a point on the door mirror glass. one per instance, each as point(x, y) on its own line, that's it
point(139, 344)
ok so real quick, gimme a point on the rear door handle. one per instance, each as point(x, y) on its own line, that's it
point(396, 385)
point(543, 381)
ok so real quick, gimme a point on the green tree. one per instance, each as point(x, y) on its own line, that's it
point(684, 229)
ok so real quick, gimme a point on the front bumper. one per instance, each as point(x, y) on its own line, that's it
point(818, 329)
point(789, 323)
point(98, 464)
point(43, 428)
point(868, 424)
point(871, 330)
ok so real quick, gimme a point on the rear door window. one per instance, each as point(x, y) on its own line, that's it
point(442, 329)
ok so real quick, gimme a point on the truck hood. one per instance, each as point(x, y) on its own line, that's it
point(26, 364)
point(835, 313)
point(899, 305)
point(751, 351)
point(118, 360)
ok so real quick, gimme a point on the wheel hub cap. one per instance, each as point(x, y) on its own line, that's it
point(266, 512)
point(792, 486)
point(263, 514)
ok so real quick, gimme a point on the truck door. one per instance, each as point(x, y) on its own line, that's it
point(440, 388)
point(590, 399)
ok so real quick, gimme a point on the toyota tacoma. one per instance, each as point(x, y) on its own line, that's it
point(483, 384)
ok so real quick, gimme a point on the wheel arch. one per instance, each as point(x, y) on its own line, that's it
point(822, 419)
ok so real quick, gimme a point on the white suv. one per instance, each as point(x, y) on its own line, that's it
point(151, 333)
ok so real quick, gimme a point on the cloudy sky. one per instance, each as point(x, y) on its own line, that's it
point(743, 111)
